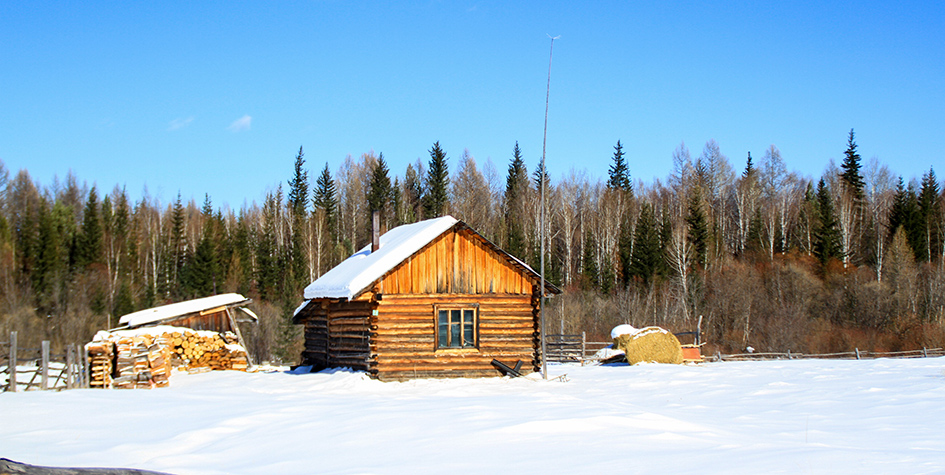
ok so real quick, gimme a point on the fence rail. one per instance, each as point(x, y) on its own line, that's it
point(576, 348)
point(31, 369)
point(855, 354)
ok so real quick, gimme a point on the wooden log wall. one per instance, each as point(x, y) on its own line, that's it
point(337, 334)
point(403, 340)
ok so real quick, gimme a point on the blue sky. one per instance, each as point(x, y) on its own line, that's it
point(217, 97)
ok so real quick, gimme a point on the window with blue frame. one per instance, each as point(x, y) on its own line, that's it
point(457, 327)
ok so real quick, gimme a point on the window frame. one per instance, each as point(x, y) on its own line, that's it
point(437, 308)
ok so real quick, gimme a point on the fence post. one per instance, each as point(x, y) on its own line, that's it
point(925, 352)
point(718, 356)
point(789, 355)
point(44, 381)
point(11, 383)
point(70, 366)
point(583, 347)
point(857, 353)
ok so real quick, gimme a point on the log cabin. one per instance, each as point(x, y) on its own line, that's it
point(431, 299)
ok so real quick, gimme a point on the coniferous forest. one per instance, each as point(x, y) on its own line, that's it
point(768, 258)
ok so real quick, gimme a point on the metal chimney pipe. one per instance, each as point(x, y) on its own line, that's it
point(375, 231)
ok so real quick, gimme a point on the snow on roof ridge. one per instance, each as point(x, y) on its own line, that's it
point(354, 274)
point(156, 314)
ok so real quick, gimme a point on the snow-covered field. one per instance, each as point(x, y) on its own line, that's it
point(868, 416)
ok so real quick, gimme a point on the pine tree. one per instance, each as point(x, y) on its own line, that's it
point(619, 174)
point(827, 232)
point(436, 200)
point(851, 176)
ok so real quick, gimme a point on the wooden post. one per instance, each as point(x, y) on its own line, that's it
point(11, 383)
point(44, 381)
point(789, 355)
point(925, 352)
point(583, 347)
point(86, 369)
point(239, 336)
point(70, 366)
point(857, 353)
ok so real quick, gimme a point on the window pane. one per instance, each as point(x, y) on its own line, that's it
point(468, 328)
point(443, 324)
point(456, 327)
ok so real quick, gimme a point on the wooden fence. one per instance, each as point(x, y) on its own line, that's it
point(855, 354)
point(30, 369)
point(572, 348)
point(576, 348)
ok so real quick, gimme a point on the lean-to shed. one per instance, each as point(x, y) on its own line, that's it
point(219, 313)
point(435, 299)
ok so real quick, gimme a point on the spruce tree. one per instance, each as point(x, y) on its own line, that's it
point(178, 248)
point(647, 257)
point(298, 204)
point(749, 171)
point(929, 217)
point(516, 185)
point(89, 248)
point(624, 252)
point(436, 200)
point(379, 191)
point(590, 272)
point(298, 186)
point(827, 233)
point(201, 273)
point(619, 174)
point(325, 199)
point(851, 176)
point(698, 228)
point(898, 215)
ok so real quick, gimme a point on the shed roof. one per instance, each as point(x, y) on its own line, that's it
point(180, 309)
point(358, 272)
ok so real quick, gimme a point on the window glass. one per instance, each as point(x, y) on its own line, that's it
point(468, 327)
point(456, 327)
point(443, 325)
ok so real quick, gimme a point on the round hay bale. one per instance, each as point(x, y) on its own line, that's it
point(650, 345)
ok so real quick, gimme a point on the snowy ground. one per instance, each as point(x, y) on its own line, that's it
point(869, 416)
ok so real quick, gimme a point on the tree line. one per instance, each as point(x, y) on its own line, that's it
point(766, 257)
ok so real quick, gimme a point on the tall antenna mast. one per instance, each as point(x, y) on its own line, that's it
point(544, 141)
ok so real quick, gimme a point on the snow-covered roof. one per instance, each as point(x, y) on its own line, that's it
point(350, 278)
point(165, 312)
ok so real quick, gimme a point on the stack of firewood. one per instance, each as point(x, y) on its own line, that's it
point(209, 350)
point(100, 363)
point(143, 360)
